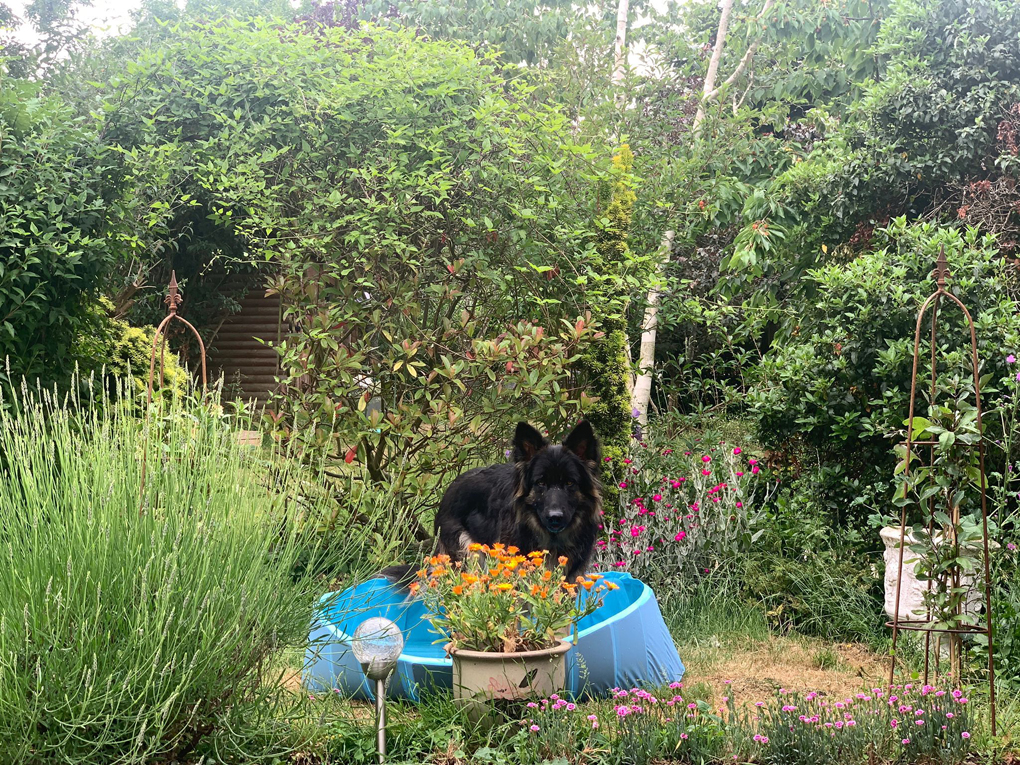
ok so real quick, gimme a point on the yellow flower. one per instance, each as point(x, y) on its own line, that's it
point(504, 586)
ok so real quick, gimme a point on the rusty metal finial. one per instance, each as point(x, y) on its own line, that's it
point(941, 271)
point(173, 296)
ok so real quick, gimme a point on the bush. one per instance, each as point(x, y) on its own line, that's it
point(837, 388)
point(137, 631)
point(685, 508)
point(119, 352)
point(56, 249)
point(435, 243)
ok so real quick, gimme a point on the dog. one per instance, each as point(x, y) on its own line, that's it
point(548, 498)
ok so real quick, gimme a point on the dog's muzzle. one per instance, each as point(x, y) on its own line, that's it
point(555, 523)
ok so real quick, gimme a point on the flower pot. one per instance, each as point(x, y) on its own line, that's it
point(912, 590)
point(482, 677)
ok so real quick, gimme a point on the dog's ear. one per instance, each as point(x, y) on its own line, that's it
point(582, 442)
point(527, 442)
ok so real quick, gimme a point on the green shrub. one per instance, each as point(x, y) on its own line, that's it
point(139, 631)
point(119, 352)
point(838, 387)
point(56, 245)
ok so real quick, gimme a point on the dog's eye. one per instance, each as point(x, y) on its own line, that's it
point(570, 483)
point(541, 484)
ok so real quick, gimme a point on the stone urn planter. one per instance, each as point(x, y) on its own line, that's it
point(483, 677)
point(912, 590)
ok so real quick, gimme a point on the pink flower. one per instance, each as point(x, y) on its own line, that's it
point(905, 741)
point(623, 484)
point(607, 459)
point(737, 450)
point(755, 470)
point(965, 735)
point(705, 471)
point(680, 536)
point(534, 729)
point(706, 458)
point(656, 498)
point(740, 504)
point(1010, 359)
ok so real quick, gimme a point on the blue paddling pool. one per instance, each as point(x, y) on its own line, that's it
point(623, 644)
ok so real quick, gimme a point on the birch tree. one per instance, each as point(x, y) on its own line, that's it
point(710, 92)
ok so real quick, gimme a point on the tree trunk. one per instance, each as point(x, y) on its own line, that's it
point(726, 6)
point(642, 393)
point(710, 91)
point(620, 49)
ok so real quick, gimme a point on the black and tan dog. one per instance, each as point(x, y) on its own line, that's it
point(547, 498)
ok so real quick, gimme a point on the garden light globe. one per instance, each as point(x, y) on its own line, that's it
point(377, 644)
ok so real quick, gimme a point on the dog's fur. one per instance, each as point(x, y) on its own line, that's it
point(548, 498)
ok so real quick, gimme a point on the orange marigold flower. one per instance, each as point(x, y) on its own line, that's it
point(512, 550)
point(469, 578)
point(546, 576)
point(504, 586)
point(458, 590)
point(586, 585)
point(474, 547)
point(562, 560)
point(439, 572)
point(611, 586)
point(415, 586)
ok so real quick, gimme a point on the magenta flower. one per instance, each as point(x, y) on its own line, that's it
point(680, 536)
point(706, 458)
point(965, 735)
point(656, 498)
point(737, 450)
point(1010, 359)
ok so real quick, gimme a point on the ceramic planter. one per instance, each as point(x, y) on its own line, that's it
point(482, 677)
point(912, 590)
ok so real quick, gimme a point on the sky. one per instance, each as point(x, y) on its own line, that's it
point(104, 16)
point(108, 17)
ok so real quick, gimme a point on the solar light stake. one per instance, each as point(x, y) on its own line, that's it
point(377, 644)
